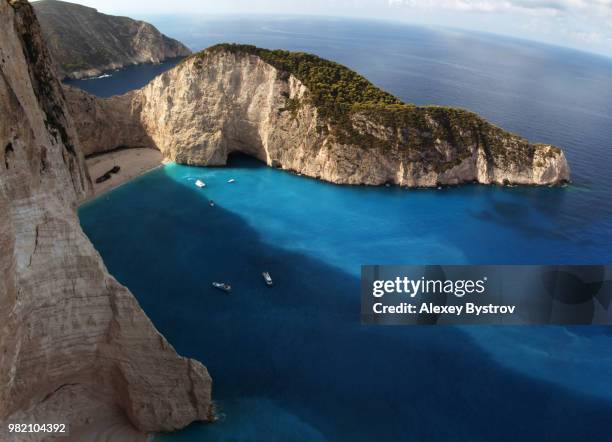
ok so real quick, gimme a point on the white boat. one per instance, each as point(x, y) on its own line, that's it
point(223, 286)
point(211, 203)
point(231, 180)
point(200, 183)
point(267, 278)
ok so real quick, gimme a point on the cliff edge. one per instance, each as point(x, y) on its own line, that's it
point(299, 112)
point(85, 43)
point(75, 346)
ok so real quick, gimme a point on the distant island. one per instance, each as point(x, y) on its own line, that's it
point(85, 43)
point(300, 112)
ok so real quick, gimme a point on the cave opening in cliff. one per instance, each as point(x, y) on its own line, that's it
point(244, 161)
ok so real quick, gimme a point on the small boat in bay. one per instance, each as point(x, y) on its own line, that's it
point(231, 180)
point(223, 286)
point(211, 203)
point(267, 278)
point(200, 183)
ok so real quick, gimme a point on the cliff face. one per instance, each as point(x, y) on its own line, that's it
point(239, 98)
point(85, 43)
point(74, 344)
point(109, 120)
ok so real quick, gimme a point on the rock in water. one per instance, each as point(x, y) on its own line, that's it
point(313, 116)
point(85, 43)
point(74, 344)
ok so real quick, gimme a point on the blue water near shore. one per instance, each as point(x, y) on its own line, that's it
point(120, 81)
point(293, 362)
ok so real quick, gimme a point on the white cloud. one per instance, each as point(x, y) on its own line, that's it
point(585, 24)
point(526, 6)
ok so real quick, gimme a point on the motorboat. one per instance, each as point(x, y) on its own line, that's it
point(267, 278)
point(223, 286)
point(231, 180)
point(200, 183)
point(211, 203)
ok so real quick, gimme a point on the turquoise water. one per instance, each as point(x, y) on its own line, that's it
point(293, 362)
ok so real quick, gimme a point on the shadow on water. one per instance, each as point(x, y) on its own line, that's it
point(300, 344)
point(513, 215)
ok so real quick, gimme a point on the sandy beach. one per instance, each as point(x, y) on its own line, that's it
point(133, 162)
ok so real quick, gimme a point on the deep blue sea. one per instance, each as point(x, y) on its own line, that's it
point(120, 81)
point(293, 363)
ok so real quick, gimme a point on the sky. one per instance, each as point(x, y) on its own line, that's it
point(579, 24)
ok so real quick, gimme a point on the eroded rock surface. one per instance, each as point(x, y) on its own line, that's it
point(230, 98)
point(85, 42)
point(74, 344)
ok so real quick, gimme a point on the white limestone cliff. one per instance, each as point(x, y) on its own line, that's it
point(223, 101)
point(74, 344)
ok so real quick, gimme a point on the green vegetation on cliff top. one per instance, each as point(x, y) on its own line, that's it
point(337, 91)
point(334, 89)
point(340, 94)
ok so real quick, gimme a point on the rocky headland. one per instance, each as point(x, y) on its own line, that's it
point(85, 43)
point(299, 112)
point(75, 346)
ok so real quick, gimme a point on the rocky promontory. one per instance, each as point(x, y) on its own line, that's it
point(85, 43)
point(75, 346)
point(299, 112)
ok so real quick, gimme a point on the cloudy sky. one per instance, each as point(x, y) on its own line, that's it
point(581, 24)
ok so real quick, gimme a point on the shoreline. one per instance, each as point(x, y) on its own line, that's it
point(94, 73)
point(132, 161)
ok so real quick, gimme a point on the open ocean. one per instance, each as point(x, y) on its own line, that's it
point(292, 362)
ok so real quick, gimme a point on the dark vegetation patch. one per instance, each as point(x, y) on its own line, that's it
point(441, 136)
point(334, 89)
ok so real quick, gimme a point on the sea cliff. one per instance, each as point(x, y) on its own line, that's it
point(299, 112)
point(85, 42)
point(75, 346)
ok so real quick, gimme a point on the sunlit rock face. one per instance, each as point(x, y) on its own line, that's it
point(222, 101)
point(74, 344)
point(85, 43)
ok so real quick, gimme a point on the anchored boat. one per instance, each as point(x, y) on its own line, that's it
point(267, 278)
point(231, 180)
point(200, 183)
point(223, 286)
